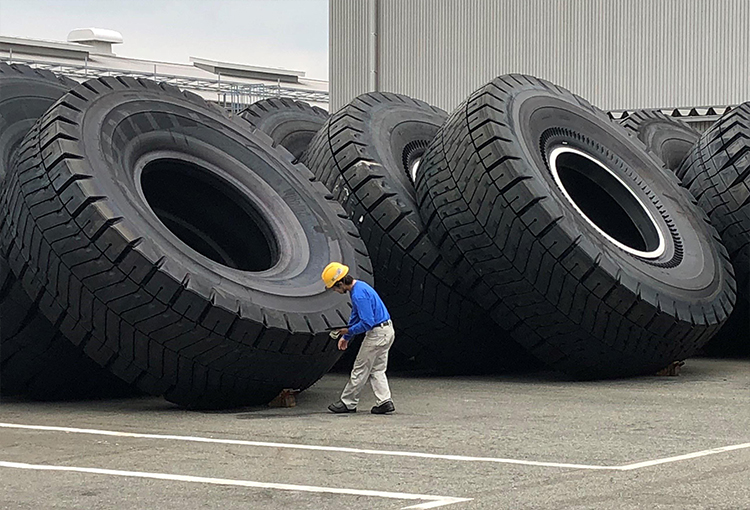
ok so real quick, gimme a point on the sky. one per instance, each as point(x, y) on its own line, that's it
point(290, 34)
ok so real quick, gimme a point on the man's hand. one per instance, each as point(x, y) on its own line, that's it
point(343, 344)
point(343, 331)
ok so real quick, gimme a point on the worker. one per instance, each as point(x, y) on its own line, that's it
point(370, 316)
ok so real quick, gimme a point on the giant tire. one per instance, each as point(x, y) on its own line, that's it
point(573, 297)
point(290, 123)
point(228, 317)
point(34, 360)
point(717, 172)
point(668, 138)
point(364, 155)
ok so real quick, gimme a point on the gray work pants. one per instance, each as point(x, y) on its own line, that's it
point(370, 365)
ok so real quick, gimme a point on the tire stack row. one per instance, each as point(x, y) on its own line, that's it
point(151, 243)
point(530, 207)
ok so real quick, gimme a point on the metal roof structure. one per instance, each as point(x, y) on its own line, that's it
point(233, 86)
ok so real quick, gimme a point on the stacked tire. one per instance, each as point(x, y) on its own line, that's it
point(713, 167)
point(717, 173)
point(598, 261)
point(34, 358)
point(176, 248)
point(668, 138)
point(291, 124)
point(367, 154)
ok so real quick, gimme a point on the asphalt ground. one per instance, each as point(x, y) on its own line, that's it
point(532, 440)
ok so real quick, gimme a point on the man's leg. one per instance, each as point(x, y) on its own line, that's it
point(378, 380)
point(361, 370)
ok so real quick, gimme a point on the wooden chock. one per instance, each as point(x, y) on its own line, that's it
point(285, 399)
point(673, 369)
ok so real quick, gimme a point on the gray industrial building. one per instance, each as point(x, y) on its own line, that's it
point(687, 57)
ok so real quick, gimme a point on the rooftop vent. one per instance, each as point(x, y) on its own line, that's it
point(100, 39)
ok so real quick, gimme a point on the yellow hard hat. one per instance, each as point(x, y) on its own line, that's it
point(333, 273)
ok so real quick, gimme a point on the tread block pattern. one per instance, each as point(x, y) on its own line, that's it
point(35, 360)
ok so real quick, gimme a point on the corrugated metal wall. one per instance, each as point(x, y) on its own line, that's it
point(619, 54)
point(349, 42)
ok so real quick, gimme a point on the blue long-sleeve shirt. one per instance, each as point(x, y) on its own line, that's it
point(368, 310)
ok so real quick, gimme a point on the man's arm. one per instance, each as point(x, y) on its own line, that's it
point(353, 319)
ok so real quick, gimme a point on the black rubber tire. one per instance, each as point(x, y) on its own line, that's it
point(572, 297)
point(34, 360)
point(362, 155)
point(717, 172)
point(132, 294)
point(289, 123)
point(26, 94)
point(668, 138)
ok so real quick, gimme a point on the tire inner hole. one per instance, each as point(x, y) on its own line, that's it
point(606, 201)
point(412, 156)
point(209, 215)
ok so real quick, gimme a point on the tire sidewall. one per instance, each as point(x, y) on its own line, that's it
point(393, 126)
point(698, 271)
point(304, 223)
point(668, 140)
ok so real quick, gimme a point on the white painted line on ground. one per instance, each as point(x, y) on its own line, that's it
point(461, 458)
point(431, 501)
point(712, 451)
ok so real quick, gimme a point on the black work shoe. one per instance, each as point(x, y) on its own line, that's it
point(340, 407)
point(384, 408)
